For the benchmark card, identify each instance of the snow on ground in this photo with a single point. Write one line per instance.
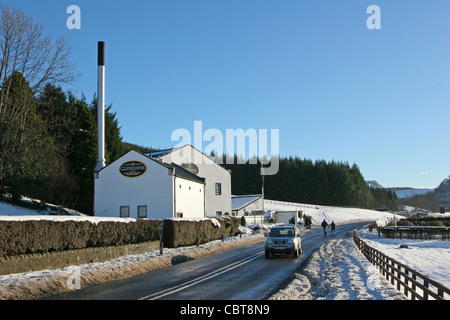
(338, 271)
(63, 218)
(9, 209)
(336, 214)
(429, 257)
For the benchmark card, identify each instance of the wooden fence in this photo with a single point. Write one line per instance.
(414, 285)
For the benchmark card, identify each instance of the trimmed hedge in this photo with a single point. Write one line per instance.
(178, 233)
(429, 221)
(38, 236)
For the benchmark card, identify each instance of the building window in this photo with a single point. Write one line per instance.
(179, 214)
(142, 212)
(218, 213)
(218, 189)
(124, 211)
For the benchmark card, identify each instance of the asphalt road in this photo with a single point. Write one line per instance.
(238, 274)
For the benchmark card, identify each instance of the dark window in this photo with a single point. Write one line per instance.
(218, 189)
(142, 212)
(124, 211)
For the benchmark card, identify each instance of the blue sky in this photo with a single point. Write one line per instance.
(312, 69)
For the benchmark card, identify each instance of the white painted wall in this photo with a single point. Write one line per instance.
(153, 189)
(212, 172)
(189, 198)
(254, 206)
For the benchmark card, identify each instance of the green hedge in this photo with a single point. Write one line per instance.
(177, 233)
(37, 236)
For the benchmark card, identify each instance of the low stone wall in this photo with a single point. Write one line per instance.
(61, 259)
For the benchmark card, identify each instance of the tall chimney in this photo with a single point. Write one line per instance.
(101, 107)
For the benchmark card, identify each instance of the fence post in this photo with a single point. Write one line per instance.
(440, 292)
(406, 282)
(425, 292)
(161, 242)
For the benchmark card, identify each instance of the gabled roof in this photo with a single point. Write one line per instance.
(161, 153)
(178, 171)
(239, 202)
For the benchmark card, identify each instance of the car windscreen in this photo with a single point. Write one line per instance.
(281, 232)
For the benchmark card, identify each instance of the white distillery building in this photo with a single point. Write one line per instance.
(138, 186)
(217, 178)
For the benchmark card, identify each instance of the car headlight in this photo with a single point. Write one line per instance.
(269, 241)
(291, 241)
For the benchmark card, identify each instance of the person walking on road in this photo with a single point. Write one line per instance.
(324, 226)
(333, 227)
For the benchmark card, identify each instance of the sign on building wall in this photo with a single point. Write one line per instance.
(132, 169)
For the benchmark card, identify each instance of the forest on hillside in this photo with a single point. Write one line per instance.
(433, 200)
(315, 182)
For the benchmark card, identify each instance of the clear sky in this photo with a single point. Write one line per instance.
(311, 68)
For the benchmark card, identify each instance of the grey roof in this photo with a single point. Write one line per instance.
(160, 153)
(181, 172)
(239, 202)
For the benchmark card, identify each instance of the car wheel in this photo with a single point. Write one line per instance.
(268, 254)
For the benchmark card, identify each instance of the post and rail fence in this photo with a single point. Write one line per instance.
(414, 284)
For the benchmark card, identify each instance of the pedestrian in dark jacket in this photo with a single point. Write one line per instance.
(333, 227)
(324, 225)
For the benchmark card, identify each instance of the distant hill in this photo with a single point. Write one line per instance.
(442, 192)
(427, 198)
(406, 192)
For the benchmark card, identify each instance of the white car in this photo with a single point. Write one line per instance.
(283, 240)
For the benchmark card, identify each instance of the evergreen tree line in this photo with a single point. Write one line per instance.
(48, 149)
(314, 182)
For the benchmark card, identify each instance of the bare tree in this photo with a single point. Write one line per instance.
(24, 48)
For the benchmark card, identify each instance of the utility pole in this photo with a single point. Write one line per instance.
(262, 190)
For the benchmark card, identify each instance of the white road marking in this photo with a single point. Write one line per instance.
(200, 279)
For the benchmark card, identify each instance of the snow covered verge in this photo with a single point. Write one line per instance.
(39, 284)
(338, 271)
(429, 257)
(7, 208)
